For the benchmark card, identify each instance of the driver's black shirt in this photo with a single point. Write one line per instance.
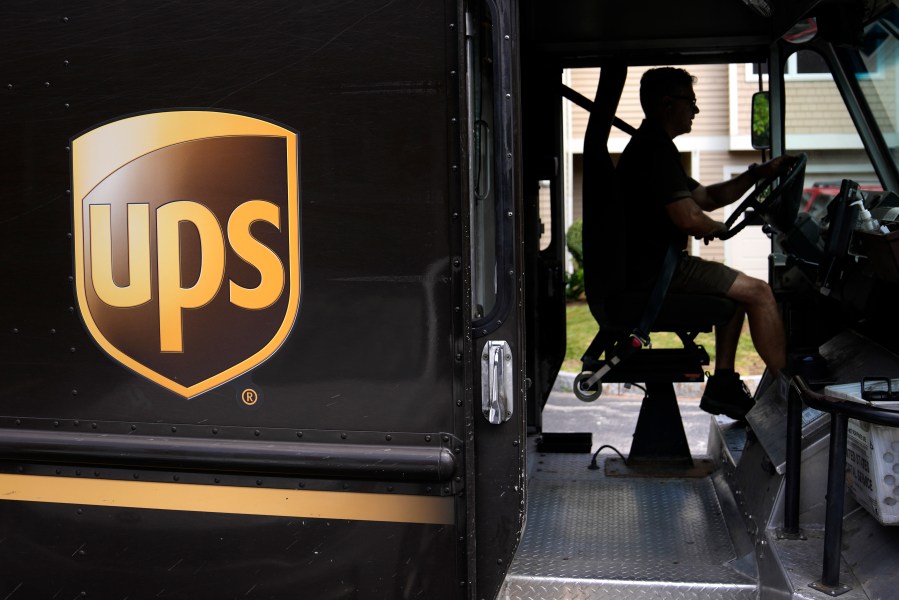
(651, 175)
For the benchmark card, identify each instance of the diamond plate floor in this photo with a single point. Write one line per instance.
(590, 537)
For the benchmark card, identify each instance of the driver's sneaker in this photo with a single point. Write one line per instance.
(726, 394)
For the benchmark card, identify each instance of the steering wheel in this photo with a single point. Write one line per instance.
(781, 205)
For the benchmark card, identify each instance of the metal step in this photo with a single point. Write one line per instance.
(727, 438)
(592, 537)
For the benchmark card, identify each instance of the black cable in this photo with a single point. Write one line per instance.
(593, 466)
(639, 387)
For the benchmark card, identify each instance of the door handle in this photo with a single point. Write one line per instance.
(497, 376)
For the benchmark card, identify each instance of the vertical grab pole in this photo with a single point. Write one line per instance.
(836, 480)
(833, 521)
(794, 464)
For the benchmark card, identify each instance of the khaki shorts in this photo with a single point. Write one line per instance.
(697, 276)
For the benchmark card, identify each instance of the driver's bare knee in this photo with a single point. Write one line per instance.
(751, 292)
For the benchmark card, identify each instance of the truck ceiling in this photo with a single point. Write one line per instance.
(580, 34)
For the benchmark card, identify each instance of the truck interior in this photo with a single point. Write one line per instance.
(740, 522)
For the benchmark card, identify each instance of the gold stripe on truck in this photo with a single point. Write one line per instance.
(312, 504)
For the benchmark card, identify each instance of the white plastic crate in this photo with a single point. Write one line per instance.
(872, 455)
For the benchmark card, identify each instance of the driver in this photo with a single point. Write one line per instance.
(670, 206)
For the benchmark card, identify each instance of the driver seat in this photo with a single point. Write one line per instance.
(659, 436)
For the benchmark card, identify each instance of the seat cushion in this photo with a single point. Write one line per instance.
(680, 312)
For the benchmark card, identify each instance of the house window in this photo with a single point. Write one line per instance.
(804, 65)
(808, 65)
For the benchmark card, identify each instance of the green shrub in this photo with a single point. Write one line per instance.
(574, 282)
(575, 241)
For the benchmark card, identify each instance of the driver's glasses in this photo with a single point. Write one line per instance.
(690, 99)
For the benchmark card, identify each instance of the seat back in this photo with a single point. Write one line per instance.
(603, 210)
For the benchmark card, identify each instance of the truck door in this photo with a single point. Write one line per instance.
(249, 346)
(498, 355)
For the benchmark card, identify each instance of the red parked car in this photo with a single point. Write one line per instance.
(816, 198)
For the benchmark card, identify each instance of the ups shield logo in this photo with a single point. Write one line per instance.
(186, 243)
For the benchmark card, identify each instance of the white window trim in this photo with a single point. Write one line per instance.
(695, 170)
(733, 92)
(731, 171)
(568, 150)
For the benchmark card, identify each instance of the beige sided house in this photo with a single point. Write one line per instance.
(719, 146)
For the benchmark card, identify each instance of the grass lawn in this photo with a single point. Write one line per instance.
(582, 328)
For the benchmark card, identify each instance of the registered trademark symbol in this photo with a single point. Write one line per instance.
(249, 396)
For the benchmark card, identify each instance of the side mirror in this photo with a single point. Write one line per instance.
(803, 31)
(761, 121)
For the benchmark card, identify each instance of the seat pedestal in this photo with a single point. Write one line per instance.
(659, 437)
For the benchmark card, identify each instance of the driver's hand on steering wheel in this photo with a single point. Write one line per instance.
(774, 167)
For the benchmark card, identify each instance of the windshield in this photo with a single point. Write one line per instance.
(876, 67)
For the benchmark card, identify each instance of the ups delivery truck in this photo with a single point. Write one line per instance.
(277, 321)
